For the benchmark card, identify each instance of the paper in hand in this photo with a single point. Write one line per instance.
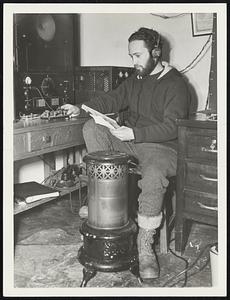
(100, 118)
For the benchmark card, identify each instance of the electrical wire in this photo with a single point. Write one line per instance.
(189, 267)
(41, 96)
(37, 89)
(190, 66)
(187, 68)
(54, 176)
(186, 266)
(168, 17)
(194, 273)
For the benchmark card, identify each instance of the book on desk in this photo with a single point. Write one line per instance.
(33, 191)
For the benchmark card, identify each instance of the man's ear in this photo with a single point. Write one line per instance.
(156, 52)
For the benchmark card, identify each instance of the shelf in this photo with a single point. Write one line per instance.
(18, 208)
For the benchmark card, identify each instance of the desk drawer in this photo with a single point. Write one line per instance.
(200, 203)
(52, 137)
(201, 177)
(201, 144)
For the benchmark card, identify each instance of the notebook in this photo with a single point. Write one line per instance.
(33, 191)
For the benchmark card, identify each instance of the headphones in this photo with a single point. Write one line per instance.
(156, 51)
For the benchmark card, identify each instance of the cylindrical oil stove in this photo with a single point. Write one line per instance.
(108, 234)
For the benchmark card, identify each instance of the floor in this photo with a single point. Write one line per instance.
(47, 240)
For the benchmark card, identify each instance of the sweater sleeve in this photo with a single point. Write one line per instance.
(113, 101)
(176, 106)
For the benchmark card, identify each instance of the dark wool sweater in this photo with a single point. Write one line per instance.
(154, 102)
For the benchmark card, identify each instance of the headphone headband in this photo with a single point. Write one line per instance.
(158, 41)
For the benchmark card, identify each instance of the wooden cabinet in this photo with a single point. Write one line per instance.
(196, 175)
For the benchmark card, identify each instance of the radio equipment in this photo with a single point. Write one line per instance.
(93, 81)
(41, 91)
(46, 48)
(45, 42)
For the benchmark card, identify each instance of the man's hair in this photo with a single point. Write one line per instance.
(151, 38)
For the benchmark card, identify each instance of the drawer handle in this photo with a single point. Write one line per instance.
(208, 150)
(208, 207)
(208, 178)
(212, 147)
(46, 139)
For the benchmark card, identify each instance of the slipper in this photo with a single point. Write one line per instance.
(83, 212)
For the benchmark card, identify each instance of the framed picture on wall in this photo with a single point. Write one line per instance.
(202, 24)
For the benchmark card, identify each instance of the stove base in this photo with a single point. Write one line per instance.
(108, 251)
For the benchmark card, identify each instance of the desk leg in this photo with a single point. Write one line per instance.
(16, 229)
(49, 163)
(65, 156)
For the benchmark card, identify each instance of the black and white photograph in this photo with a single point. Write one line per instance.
(114, 149)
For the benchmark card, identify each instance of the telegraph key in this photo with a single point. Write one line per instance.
(54, 114)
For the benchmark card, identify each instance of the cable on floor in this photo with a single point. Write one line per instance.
(194, 273)
(188, 267)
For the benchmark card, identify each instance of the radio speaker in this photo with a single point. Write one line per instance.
(44, 42)
(95, 81)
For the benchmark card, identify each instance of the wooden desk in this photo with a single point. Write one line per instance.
(42, 137)
(196, 195)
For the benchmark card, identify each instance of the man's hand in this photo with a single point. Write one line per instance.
(123, 133)
(71, 109)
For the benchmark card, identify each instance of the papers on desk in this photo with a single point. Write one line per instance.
(100, 118)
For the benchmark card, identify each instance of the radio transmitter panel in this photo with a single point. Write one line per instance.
(95, 81)
(46, 48)
(40, 91)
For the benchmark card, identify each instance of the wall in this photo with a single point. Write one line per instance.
(104, 42)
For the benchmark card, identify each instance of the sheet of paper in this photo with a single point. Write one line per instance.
(100, 118)
(102, 121)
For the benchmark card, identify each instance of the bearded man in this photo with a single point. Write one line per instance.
(155, 96)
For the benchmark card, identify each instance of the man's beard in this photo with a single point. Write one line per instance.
(150, 66)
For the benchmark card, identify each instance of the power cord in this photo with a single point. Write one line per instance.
(194, 63)
(169, 17)
(188, 267)
(194, 273)
(53, 179)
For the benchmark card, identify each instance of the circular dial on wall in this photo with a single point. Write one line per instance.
(47, 86)
(45, 27)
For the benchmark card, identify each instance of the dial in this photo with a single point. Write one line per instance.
(47, 86)
(28, 80)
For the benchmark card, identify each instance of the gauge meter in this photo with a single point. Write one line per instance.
(27, 80)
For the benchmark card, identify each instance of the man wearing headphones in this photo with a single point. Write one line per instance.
(155, 95)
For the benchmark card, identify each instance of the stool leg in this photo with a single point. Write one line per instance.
(164, 235)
